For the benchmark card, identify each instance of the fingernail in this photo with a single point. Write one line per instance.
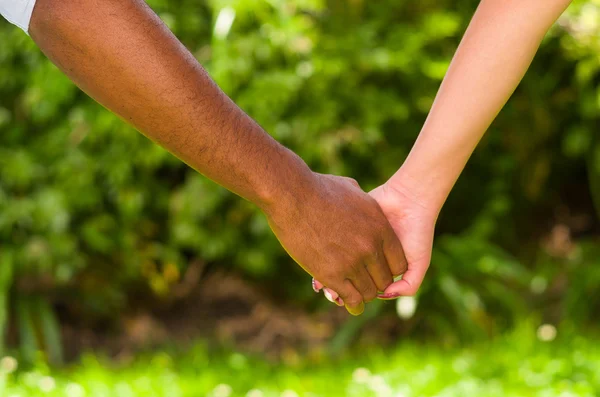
(339, 302)
(388, 296)
(329, 297)
(314, 286)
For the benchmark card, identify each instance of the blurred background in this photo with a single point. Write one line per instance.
(125, 273)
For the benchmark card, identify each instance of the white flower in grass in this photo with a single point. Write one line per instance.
(546, 332)
(74, 390)
(8, 364)
(255, 393)
(406, 306)
(47, 384)
(222, 390)
(361, 375)
(289, 393)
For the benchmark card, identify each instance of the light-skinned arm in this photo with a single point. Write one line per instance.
(491, 60)
(122, 55)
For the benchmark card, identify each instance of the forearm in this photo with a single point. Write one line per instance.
(491, 60)
(121, 54)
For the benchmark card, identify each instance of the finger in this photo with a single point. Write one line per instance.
(364, 284)
(352, 298)
(319, 285)
(394, 253)
(379, 271)
(316, 285)
(409, 285)
(330, 294)
(333, 297)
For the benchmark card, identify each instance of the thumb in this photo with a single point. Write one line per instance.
(409, 284)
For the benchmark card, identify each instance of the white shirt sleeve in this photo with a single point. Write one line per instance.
(17, 12)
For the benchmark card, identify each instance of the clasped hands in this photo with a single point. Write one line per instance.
(354, 244)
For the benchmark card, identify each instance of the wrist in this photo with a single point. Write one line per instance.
(290, 181)
(431, 169)
(427, 186)
(401, 192)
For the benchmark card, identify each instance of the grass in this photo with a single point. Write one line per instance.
(518, 364)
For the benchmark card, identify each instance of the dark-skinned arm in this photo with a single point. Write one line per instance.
(121, 54)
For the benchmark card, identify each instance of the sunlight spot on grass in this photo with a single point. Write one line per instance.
(255, 393)
(381, 388)
(222, 390)
(361, 375)
(47, 384)
(8, 365)
(546, 332)
(74, 390)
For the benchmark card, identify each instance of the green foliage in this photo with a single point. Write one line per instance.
(516, 365)
(90, 210)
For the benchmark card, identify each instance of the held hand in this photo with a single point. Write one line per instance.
(339, 235)
(414, 225)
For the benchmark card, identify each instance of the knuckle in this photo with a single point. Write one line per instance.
(330, 281)
(354, 268)
(370, 294)
(353, 300)
(398, 269)
(386, 282)
(369, 286)
(369, 249)
(357, 270)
